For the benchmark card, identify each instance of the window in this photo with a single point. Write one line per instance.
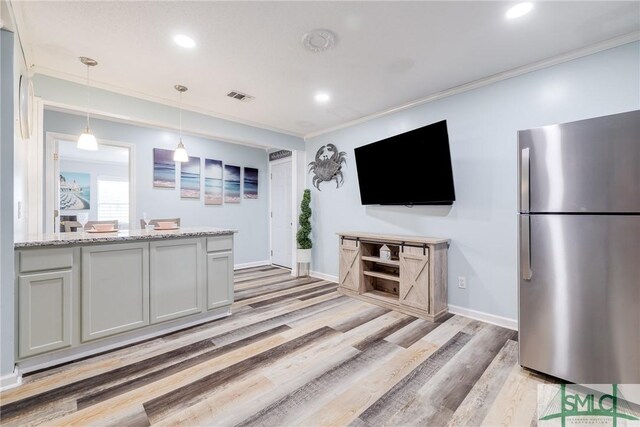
(113, 200)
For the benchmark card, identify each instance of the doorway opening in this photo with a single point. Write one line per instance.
(86, 185)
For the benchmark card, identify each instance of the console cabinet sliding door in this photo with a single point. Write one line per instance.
(350, 266)
(414, 278)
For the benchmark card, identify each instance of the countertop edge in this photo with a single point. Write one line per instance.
(101, 239)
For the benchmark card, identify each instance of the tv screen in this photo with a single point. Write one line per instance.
(413, 168)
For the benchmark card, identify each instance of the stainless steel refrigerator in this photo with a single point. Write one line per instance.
(579, 249)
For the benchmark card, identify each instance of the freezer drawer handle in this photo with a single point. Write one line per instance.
(526, 248)
(524, 180)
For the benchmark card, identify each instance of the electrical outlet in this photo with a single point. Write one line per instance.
(462, 282)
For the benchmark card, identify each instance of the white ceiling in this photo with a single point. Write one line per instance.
(387, 53)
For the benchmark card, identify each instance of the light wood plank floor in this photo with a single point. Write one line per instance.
(294, 352)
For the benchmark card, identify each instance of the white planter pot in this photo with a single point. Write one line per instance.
(304, 255)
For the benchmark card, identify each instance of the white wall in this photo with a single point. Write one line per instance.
(250, 217)
(483, 125)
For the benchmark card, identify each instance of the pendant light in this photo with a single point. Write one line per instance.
(87, 140)
(180, 155)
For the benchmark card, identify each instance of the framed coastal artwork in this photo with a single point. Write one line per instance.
(250, 183)
(231, 184)
(212, 182)
(164, 168)
(190, 178)
(75, 191)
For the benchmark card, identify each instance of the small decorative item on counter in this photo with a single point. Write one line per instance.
(385, 252)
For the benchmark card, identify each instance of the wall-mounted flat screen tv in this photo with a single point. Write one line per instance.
(413, 168)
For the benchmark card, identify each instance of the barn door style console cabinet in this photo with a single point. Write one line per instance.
(413, 279)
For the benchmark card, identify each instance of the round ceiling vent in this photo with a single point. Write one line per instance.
(319, 40)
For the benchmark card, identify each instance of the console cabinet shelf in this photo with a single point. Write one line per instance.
(413, 281)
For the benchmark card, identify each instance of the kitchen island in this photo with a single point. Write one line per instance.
(82, 293)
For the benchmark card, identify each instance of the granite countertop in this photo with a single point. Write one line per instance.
(83, 238)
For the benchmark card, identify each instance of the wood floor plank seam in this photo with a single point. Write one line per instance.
(384, 332)
(121, 388)
(291, 295)
(437, 400)
(280, 286)
(280, 411)
(188, 395)
(484, 392)
(405, 390)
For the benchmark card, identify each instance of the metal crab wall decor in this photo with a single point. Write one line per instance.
(328, 165)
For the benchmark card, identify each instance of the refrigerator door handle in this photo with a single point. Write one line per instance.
(525, 247)
(524, 180)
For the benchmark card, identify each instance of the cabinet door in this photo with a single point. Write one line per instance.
(350, 265)
(177, 278)
(44, 322)
(219, 279)
(115, 289)
(414, 278)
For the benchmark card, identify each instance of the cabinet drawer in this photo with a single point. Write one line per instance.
(45, 259)
(219, 243)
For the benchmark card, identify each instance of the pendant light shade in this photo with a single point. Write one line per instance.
(180, 154)
(87, 140)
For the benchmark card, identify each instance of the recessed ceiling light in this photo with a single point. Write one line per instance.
(519, 10)
(184, 41)
(322, 97)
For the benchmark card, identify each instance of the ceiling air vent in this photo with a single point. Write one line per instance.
(240, 96)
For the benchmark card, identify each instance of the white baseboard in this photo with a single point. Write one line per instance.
(251, 264)
(505, 322)
(323, 276)
(11, 380)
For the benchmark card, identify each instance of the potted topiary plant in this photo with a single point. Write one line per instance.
(302, 237)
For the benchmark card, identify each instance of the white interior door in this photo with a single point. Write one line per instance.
(281, 218)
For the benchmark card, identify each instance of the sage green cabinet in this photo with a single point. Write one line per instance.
(115, 289)
(177, 278)
(44, 322)
(219, 279)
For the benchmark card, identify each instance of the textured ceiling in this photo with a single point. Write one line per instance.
(387, 53)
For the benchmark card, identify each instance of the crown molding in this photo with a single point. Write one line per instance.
(45, 71)
(545, 63)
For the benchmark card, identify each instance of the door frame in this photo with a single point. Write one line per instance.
(294, 211)
(51, 148)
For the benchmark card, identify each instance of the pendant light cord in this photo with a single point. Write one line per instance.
(180, 109)
(88, 99)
